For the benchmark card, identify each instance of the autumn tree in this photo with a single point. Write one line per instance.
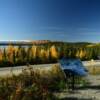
(1, 55)
(36, 54)
(4, 55)
(33, 50)
(82, 54)
(29, 55)
(54, 53)
(10, 54)
(77, 53)
(43, 55)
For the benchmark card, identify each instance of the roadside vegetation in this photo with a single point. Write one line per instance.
(34, 84)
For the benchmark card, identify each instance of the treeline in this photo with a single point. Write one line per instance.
(13, 56)
(48, 53)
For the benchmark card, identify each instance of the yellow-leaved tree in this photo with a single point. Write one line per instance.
(35, 54)
(82, 54)
(33, 50)
(43, 55)
(53, 51)
(1, 55)
(78, 54)
(10, 53)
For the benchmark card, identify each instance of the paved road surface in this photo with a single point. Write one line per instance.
(18, 69)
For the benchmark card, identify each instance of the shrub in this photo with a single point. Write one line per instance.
(30, 85)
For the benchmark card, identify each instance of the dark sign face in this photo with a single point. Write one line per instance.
(75, 66)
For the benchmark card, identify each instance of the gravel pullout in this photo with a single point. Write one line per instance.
(90, 92)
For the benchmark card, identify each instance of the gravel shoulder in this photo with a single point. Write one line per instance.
(90, 92)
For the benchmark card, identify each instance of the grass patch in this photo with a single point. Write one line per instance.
(33, 84)
(93, 70)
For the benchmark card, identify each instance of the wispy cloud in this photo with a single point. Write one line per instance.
(51, 27)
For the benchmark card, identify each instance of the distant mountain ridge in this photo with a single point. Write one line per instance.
(40, 42)
(23, 42)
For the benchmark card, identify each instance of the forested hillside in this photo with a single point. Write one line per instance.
(49, 52)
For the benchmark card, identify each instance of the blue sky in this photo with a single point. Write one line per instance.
(63, 20)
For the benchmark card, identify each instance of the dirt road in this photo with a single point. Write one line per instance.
(89, 92)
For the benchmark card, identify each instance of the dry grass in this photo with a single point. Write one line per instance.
(32, 84)
(94, 70)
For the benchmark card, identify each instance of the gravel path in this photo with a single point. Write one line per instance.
(91, 92)
(18, 69)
